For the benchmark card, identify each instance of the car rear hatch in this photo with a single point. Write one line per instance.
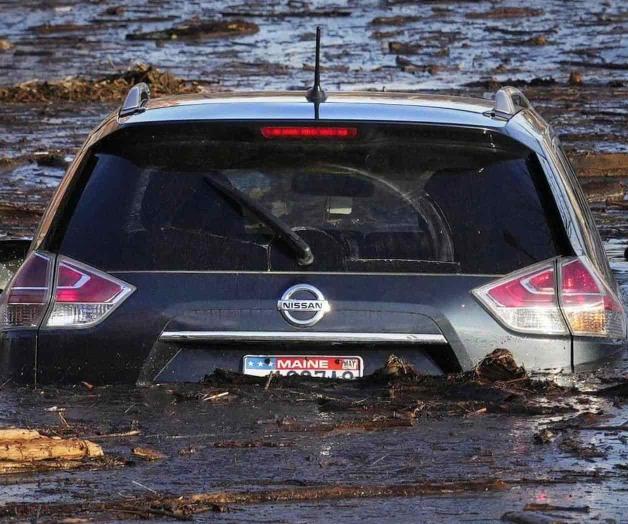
(297, 239)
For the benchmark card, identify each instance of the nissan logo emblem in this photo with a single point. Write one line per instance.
(303, 305)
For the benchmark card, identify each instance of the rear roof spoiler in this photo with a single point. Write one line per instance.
(508, 101)
(135, 100)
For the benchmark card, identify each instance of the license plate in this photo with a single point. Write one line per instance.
(307, 366)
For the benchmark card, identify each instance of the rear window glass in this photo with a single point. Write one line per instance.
(392, 198)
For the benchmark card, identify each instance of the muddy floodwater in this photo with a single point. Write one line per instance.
(399, 449)
(395, 450)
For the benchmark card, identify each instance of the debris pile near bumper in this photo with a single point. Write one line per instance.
(499, 366)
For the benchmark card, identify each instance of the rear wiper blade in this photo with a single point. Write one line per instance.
(283, 230)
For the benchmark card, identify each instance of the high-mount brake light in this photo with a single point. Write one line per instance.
(526, 300)
(591, 309)
(84, 296)
(533, 300)
(309, 132)
(25, 300)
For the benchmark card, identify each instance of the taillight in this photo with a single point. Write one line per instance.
(590, 307)
(308, 132)
(534, 300)
(84, 296)
(526, 300)
(80, 295)
(25, 300)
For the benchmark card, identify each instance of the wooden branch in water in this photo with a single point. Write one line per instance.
(25, 446)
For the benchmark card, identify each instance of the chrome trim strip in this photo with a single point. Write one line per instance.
(305, 336)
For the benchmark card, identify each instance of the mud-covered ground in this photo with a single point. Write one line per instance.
(380, 450)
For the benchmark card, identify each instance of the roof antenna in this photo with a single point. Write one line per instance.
(316, 94)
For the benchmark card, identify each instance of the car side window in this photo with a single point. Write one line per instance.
(594, 244)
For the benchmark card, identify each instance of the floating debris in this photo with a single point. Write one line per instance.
(524, 517)
(305, 13)
(148, 454)
(248, 444)
(23, 450)
(544, 436)
(199, 30)
(396, 367)
(619, 390)
(394, 20)
(573, 446)
(115, 10)
(536, 40)
(575, 78)
(60, 28)
(214, 396)
(183, 507)
(493, 84)
(507, 12)
(109, 88)
(403, 48)
(499, 365)
(536, 506)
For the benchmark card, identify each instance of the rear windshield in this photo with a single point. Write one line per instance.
(384, 198)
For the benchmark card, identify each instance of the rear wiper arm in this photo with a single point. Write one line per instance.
(283, 230)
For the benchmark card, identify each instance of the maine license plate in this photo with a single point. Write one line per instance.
(308, 366)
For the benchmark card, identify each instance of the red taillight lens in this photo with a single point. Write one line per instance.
(533, 290)
(79, 284)
(309, 132)
(83, 295)
(591, 309)
(577, 279)
(26, 298)
(526, 300)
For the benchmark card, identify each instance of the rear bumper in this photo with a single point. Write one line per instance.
(190, 356)
(194, 361)
(181, 357)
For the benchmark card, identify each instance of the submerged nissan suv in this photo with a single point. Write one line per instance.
(266, 233)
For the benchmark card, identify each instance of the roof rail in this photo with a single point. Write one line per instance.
(509, 101)
(135, 99)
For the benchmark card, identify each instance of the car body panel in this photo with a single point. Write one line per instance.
(18, 355)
